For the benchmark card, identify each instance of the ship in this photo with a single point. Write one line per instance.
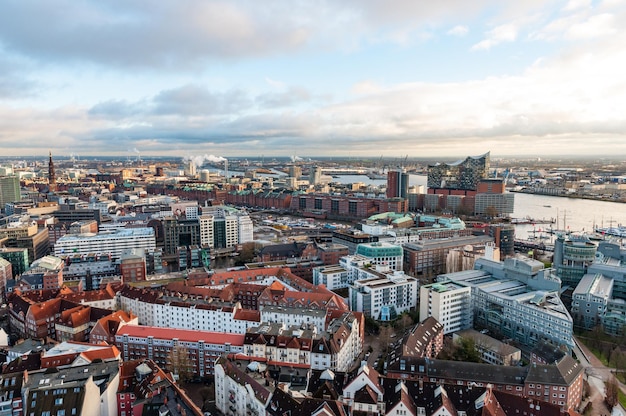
(619, 231)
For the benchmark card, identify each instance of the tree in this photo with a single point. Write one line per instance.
(384, 337)
(611, 390)
(179, 363)
(404, 322)
(247, 254)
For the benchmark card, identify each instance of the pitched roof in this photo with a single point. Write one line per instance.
(187, 335)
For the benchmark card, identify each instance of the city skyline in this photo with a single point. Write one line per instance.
(537, 78)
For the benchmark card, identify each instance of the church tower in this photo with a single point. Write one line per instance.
(52, 180)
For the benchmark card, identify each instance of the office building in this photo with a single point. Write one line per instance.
(517, 299)
(430, 257)
(18, 257)
(397, 184)
(113, 242)
(449, 303)
(9, 190)
(225, 228)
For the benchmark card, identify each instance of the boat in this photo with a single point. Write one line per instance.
(619, 231)
(548, 206)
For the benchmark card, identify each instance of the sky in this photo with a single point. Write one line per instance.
(352, 78)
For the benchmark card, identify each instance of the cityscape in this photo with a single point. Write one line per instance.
(328, 208)
(211, 285)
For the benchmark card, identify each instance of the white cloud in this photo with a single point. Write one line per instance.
(503, 33)
(458, 30)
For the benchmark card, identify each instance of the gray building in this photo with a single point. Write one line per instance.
(516, 299)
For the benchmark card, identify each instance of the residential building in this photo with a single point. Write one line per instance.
(202, 347)
(6, 273)
(424, 339)
(240, 391)
(383, 294)
(145, 388)
(491, 350)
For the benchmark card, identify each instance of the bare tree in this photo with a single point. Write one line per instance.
(612, 392)
(179, 363)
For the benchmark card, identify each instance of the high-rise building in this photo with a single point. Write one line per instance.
(221, 229)
(397, 184)
(9, 189)
(295, 171)
(315, 176)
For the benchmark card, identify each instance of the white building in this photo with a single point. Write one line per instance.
(225, 227)
(448, 303)
(333, 277)
(383, 294)
(239, 391)
(382, 253)
(113, 242)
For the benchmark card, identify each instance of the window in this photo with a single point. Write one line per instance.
(58, 401)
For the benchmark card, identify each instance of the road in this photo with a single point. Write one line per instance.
(597, 373)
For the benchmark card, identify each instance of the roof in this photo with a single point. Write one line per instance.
(563, 373)
(180, 334)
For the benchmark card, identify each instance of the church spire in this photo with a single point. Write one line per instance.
(52, 180)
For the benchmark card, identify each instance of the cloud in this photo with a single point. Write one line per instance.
(458, 30)
(503, 33)
(290, 97)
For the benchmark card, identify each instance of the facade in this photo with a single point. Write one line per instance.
(225, 228)
(382, 253)
(448, 303)
(6, 272)
(517, 299)
(239, 392)
(203, 348)
(133, 267)
(9, 190)
(590, 300)
(495, 205)
(114, 242)
(490, 349)
(463, 175)
(429, 257)
(333, 277)
(572, 257)
(397, 184)
(18, 257)
(383, 294)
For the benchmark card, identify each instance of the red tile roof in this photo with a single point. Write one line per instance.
(187, 335)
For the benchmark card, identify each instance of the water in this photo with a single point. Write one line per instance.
(576, 215)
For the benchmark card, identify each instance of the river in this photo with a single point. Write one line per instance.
(572, 214)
